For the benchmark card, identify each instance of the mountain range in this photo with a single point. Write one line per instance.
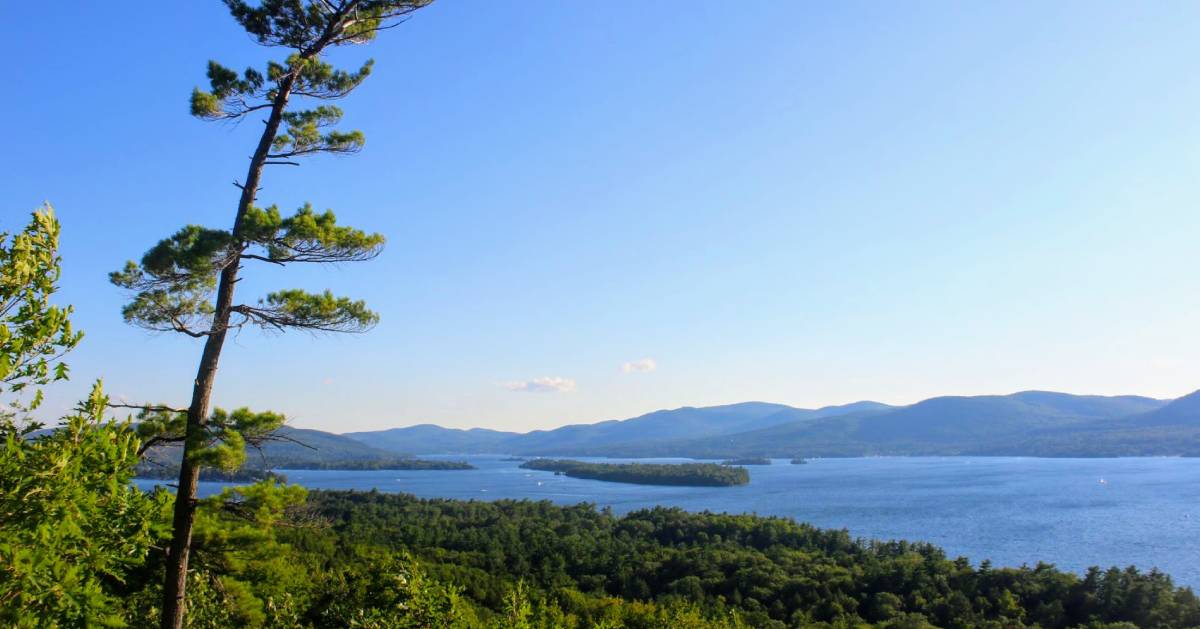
(1029, 423)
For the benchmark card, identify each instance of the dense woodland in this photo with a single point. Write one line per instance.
(267, 555)
(770, 572)
(691, 474)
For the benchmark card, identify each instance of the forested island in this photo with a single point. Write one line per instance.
(693, 474)
(747, 460)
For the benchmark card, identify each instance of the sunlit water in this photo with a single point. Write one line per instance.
(1074, 513)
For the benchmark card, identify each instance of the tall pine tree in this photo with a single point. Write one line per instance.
(186, 283)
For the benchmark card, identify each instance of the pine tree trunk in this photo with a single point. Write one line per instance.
(175, 581)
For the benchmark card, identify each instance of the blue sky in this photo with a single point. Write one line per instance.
(795, 202)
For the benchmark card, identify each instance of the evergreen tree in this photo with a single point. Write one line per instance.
(186, 283)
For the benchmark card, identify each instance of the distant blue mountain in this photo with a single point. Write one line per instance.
(1183, 412)
(1169, 429)
(967, 420)
(657, 426)
(603, 437)
(431, 439)
(1029, 422)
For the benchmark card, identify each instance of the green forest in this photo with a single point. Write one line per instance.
(691, 474)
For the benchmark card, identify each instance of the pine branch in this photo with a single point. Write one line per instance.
(296, 309)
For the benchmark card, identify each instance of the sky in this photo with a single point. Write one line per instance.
(596, 210)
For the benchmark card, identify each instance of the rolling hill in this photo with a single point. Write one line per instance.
(431, 439)
(604, 437)
(1036, 423)
(656, 426)
(1171, 429)
(938, 426)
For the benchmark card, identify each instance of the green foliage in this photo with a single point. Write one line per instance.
(172, 287)
(173, 284)
(297, 24)
(772, 572)
(296, 308)
(225, 84)
(694, 474)
(391, 591)
(71, 524)
(220, 443)
(33, 333)
(193, 252)
(307, 236)
(304, 134)
(321, 80)
(235, 540)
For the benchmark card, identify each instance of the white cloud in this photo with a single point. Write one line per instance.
(545, 384)
(640, 366)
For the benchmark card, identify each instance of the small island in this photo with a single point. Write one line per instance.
(748, 460)
(689, 474)
(799, 461)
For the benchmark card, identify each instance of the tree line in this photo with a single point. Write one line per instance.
(693, 474)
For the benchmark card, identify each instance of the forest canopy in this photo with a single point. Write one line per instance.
(693, 474)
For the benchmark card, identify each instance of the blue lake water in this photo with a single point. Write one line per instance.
(1073, 513)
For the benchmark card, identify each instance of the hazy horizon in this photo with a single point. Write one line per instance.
(387, 426)
(593, 214)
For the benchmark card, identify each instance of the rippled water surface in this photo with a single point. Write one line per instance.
(1071, 512)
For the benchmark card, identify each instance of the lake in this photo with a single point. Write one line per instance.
(1073, 513)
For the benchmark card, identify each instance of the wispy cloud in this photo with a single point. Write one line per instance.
(640, 366)
(545, 384)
